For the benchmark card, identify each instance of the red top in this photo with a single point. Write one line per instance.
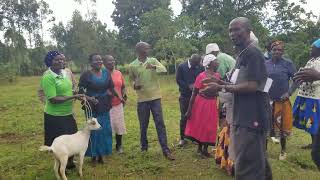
(198, 83)
(118, 82)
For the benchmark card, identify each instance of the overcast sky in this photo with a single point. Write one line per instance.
(63, 9)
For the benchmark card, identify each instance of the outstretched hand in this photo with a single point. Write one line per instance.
(150, 66)
(79, 96)
(92, 100)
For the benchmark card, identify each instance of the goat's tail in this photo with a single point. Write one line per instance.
(45, 148)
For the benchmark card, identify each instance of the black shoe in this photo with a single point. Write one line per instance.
(100, 160)
(169, 156)
(94, 161)
(144, 150)
(206, 155)
(70, 165)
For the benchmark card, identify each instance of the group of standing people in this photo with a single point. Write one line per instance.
(252, 112)
(103, 88)
(239, 84)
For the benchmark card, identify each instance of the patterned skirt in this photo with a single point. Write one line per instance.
(223, 154)
(306, 114)
(282, 118)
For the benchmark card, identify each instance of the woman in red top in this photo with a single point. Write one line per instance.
(202, 112)
(116, 112)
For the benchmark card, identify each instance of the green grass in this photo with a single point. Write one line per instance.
(21, 133)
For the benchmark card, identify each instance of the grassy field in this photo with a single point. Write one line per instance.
(21, 134)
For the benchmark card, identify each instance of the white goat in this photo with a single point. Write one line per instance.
(65, 146)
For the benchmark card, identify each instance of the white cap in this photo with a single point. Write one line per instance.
(254, 38)
(212, 47)
(208, 59)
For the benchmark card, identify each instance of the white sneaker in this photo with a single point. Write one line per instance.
(275, 140)
(282, 156)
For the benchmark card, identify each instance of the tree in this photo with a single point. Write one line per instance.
(82, 37)
(127, 16)
(213, 17)
(288, 17)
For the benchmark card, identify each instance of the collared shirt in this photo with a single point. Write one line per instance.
(56, 85)
(280, 72)
(226, 64)
(311, 89)
(147, 78)
(267, 55)
(185, 76)
(252, 109)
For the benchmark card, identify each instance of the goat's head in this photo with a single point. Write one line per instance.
(93, 124)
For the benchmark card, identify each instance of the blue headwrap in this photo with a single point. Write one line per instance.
(316, 43)
(50, 56)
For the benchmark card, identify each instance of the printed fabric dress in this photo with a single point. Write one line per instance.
(306, 112)
(203, 123)
(94, 86)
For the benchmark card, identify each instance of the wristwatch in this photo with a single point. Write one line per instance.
(223, 89)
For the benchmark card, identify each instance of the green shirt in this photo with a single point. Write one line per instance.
(147, 78)
(56, 85)
(226, 63)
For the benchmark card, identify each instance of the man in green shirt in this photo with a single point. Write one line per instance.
(143, 73)
(226, 62)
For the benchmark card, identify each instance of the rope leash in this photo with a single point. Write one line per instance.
(88, 114)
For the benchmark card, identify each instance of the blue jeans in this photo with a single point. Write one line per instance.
(143, 110)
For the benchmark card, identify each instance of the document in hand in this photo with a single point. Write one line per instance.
(241, 75)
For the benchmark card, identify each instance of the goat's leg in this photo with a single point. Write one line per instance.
(63, 164)
(56, 168)
(81, 157)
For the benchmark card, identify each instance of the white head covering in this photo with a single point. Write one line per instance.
(254, 39)
(212, 47)
(208, 59)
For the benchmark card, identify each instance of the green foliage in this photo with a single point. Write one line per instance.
(127, 16)
(124, 69)
(172, 37)
(8, 72)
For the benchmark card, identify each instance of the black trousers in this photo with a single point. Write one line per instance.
(144, 109)
(315, 153)
(184, 103)
(250, 156)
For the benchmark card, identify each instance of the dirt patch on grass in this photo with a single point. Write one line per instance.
(13, 138)
(3, 108)
(10, 138)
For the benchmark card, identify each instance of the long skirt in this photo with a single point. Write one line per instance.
(282, 118)
(100, 142)
(306, 114)
(117, 119)
(55, 126)
(203, 123)
(222, 155)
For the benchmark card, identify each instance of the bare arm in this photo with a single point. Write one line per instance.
(245, 87)
(192, 99)
(62, 99)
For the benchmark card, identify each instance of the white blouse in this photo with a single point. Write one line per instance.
(311, 89)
